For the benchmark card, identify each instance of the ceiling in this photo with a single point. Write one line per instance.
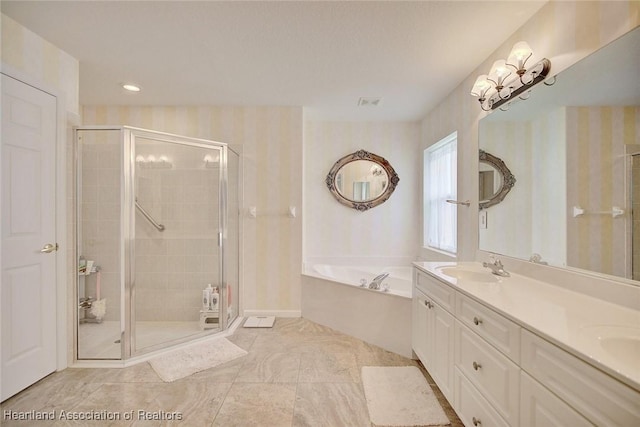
(320, 55)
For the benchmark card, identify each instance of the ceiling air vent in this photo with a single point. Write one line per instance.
(369, 102)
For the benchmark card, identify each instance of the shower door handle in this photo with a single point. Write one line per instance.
(220, 239)
(48, 248)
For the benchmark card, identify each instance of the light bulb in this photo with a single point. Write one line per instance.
(499, 73)
(519, 55)
(481, 86)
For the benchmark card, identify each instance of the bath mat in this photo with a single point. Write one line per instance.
(400, 396)
(195, 358)
(259, 322)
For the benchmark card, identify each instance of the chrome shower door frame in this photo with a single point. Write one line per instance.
(130, 135)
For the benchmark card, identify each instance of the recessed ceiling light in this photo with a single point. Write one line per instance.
(131, 87)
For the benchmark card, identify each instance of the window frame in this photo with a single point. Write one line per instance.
(427, 240)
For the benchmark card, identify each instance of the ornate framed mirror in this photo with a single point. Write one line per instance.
(496, 180)
(362, 180)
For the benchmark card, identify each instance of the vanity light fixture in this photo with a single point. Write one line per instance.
(510, 78)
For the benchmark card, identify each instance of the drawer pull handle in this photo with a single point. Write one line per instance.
(476, 422)
(477, 321)
(429, 304)
(476, 366)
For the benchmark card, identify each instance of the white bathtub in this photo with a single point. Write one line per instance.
(399, 279)
(332, 296)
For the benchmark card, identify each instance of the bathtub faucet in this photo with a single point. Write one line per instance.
(377, 281)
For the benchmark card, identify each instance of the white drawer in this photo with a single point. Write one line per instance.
(497, 330)
(495, 376)
(471, 407)
(603, 400)
(441, 293)
(541, 408)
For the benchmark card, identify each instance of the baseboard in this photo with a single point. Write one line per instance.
(277, 313)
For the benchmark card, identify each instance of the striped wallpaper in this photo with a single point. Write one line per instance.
(269, 140)
(534, 210)
(29, 53)
(564, 32)
(333, 230)
(597, 181)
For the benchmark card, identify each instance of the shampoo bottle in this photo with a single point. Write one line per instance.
(209, 291)
(215, 299)
(206, 298)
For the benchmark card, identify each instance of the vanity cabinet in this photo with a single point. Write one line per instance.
(433, 333)
(496, 372)
(598, 397)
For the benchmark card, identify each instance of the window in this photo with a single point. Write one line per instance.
(440, 184)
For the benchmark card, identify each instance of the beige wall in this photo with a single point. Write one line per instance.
(270, 142)
(535, 208)
(28, 53)
(387, 231)
(597, 168)
(563, 32)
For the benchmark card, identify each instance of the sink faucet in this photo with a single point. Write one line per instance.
(377, 281)
(496, 267)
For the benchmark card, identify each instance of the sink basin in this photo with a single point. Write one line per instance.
(470, 275)
(621, 343)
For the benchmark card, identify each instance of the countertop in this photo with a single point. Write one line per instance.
(578, 323)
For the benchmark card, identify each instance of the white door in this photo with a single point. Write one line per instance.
(28, 298)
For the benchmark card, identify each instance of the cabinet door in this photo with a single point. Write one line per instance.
(541, 408)
(441, 345)
(421, 327)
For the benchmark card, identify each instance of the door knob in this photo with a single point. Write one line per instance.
(48, 248)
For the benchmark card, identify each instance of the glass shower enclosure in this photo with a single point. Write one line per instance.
(157, 232)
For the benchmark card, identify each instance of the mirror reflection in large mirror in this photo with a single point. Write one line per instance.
(495, 179)
(362, 180)
(572, 147)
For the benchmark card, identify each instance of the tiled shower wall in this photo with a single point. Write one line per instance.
(173, 266)
(100, 202)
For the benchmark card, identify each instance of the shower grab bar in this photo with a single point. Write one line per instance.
(153, 222)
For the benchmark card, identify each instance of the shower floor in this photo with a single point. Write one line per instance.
(102, 340)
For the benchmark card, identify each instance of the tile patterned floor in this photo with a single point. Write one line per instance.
(297, 373)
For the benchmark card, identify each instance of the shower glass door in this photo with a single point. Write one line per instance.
(231, 241)
(176, 235)
(98, 253)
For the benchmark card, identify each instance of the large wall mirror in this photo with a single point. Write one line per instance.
(572, 146)
(362, 180)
